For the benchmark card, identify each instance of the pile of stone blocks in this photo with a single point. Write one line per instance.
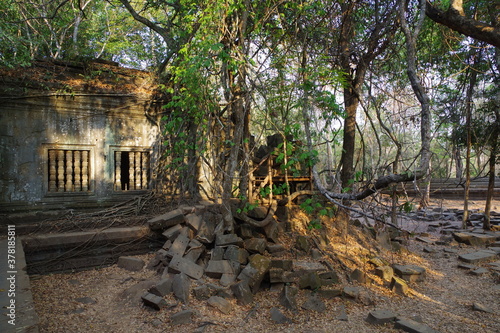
(195, 261)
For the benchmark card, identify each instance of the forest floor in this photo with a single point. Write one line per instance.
(108, 299)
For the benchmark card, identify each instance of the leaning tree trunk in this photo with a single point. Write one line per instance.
(491, 180)
(420, 93)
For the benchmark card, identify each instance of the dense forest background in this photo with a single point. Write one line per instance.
(366, 93)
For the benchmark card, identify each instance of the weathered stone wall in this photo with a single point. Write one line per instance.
(100, 122)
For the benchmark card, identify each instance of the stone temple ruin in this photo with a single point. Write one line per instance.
(74, 136)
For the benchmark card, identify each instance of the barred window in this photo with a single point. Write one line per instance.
(69, 170)
(131, 170)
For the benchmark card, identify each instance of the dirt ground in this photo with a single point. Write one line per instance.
(108, 299)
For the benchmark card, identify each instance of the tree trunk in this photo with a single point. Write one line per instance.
(491, 180)
(494, 148)
(468, 111)
(420, 93)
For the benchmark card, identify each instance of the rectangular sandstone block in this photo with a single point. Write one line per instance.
(216, 268)
(166, 220)
(183, 265)
(179, 246)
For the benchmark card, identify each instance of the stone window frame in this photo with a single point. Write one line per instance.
(68, 147)
(117, 181)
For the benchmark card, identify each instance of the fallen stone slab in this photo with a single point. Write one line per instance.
(205, 232)
(360, 276)
(329, 293)
(466, 266)
(272, 231)
(385, 272)
(310, 280)
(172, 232)
(377, 262)
(179, 246)
(166, 220)
(329, 278)
(220, 304)
(426, 240)
(181, 286)
(314, 303)
(479, 271)
(409, 273)
(275, 248)
(182, 317)
(186, 266)
(302, 266)
(495, 249)
(255, 245)
(398, 286)
(242, 292)
(236, 253)
(216, 268)
(130, 263)
(278, 275)
(227, 279)
(194, 251)
(246, 231)
(278, 317)
(477, 257)
(482, 308)
(351, 292)
(205, 291)
(303, 243)
(255, 271)
(474, 239)
(342, 313)
(217, 253)
(162, 288)
(284, 264)
(154, 301)
(412, 326)
(193, 221)
(288, 298)
(86, 300)
(380, 317)
(228, 239)
(428, 249)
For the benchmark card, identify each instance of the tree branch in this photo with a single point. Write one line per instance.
(453, 19)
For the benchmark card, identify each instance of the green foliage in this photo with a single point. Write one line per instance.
(314, 224)
(407, 207)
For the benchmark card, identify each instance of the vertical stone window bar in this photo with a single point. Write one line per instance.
(68, 170)
(60, 171)
(78, 171)
(118, 171)
(52, 171)
(85, 170)
(131, 170)
(145, 170)
(138, 171)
